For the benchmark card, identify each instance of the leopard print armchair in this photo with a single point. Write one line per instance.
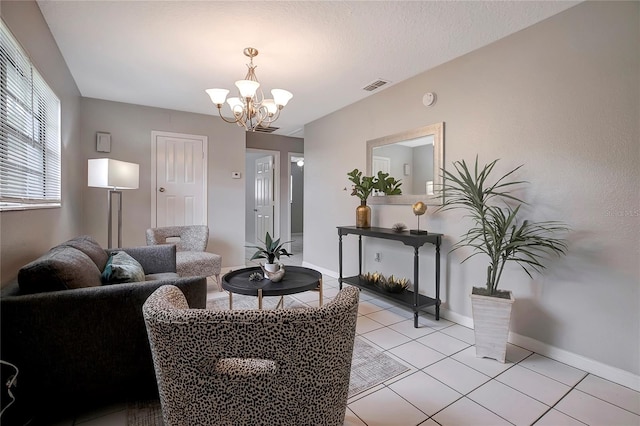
(192, 259)
(251, 367)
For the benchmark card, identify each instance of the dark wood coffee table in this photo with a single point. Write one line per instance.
(296, 280)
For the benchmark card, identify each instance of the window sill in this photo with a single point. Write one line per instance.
(18, 207)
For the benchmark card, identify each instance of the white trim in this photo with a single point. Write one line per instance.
(591, 366)
(205, 168)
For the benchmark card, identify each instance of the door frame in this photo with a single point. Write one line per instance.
(205, 160)
(276, 186)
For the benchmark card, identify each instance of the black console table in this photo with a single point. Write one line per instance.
(408, 298)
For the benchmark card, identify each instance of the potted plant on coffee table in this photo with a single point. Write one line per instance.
(498, 233)
(271, 250)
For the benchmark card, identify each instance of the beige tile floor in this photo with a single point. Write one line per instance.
(448, 385)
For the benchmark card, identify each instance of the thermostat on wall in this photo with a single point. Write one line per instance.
(235, 175)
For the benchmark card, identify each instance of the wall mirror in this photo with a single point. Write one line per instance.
(415, 157)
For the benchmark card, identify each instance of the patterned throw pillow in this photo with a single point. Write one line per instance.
(122, 268)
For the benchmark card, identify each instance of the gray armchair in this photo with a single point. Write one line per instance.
(257, 367)
(192, 259)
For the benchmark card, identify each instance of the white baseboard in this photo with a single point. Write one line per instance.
(614, 374)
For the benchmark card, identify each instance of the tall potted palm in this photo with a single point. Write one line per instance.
(498, 233)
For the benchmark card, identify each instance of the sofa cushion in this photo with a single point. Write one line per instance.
(61, 268)
(122, 268)
(91, 248)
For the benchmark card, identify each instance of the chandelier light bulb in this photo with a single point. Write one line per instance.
(236, 105)
(281, 96)
(217, 96)
(271, 106)
(247, 88)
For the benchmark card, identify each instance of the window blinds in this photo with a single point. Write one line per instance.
(29, 132)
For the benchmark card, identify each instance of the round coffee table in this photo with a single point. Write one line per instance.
(297, 279)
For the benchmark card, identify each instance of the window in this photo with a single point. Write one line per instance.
(29, 132)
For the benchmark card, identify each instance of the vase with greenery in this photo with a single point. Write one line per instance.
(497, 232)
(270, 250)
(362, 188)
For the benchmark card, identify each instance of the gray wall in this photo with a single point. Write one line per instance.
(130, 127)
(25, 235)
(562, 98)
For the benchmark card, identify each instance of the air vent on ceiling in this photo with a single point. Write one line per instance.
(261, 129)
(375, 85)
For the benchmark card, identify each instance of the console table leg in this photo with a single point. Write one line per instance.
(340, 260)
(438, 280)
(416, 286)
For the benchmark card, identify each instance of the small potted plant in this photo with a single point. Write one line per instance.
(271, 250)
(497, 233)
(362, 188)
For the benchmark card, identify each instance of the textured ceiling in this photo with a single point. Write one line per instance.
(166, 53)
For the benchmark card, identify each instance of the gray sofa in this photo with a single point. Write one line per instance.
(77, 341)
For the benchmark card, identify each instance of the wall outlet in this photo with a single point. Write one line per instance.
(378, 257)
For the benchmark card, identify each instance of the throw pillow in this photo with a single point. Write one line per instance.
(122, 268)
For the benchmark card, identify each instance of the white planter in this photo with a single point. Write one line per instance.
(491, 317)
(271, 267)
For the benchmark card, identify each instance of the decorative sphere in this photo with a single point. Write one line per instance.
(419, 208)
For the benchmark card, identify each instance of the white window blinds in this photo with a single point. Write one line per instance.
(29, 132)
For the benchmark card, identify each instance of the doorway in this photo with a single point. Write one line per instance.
(296, 204)
(262, 195)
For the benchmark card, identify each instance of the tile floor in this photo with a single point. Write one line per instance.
(448, 385)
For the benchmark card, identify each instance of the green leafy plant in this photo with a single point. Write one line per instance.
(271, 250)
(496, 230)
(363, 186)
(387, 184)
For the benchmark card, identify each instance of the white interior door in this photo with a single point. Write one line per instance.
(180, 179)
(264, 202)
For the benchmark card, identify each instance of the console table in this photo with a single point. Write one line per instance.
(408, 298)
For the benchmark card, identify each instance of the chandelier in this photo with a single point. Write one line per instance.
(251, 110)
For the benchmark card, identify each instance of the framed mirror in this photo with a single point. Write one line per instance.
(415, 157)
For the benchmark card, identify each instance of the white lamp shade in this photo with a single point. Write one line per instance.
(109, 173)
(217, 96)
(281, 97)
(270, 105)
(236, 105)
(247, 88)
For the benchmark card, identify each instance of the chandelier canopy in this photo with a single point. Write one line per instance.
(251, 110)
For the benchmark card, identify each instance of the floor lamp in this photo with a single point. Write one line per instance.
(116, 176)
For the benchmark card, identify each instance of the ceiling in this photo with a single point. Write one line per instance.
(166, 53)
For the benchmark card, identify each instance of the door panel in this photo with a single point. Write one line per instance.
(180, 197)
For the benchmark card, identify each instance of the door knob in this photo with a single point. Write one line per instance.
(161, 189)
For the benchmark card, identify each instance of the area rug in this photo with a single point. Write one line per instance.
(369, 368)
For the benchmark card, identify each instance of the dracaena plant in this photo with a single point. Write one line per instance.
(271, 250)
(497, 230)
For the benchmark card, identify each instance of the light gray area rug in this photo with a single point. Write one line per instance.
(369, 366)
